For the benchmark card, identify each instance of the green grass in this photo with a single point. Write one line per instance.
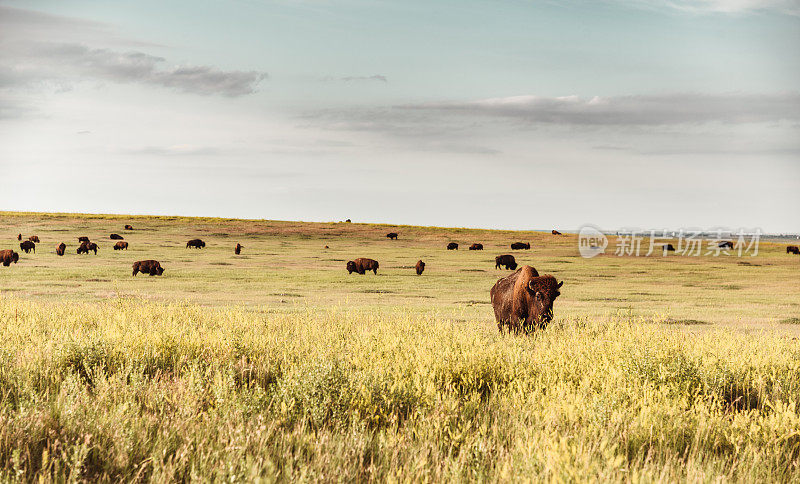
(281, 366)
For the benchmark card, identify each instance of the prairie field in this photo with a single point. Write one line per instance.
(278, 365)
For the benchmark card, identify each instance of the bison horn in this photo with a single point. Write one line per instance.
(560, 284)
(531, 286)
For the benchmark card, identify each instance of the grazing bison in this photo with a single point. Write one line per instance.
(520, 246)
(115, 237)
(196, 243)
(128, 227)
(392, 235)
(83, 239)
(34, 238)
(793, 249)
(362, 265)
(725, 244)
(476, 247)
(8, 256)
(420, 267)
(505, 260)
(556, 232)
(19, 236)
(85, 247)
(151, 267)
(238, 249)
(60, 248)
(121, 245)
(452, 246)
(27, 246)
(524, 300)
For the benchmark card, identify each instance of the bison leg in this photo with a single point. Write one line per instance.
(375, 271)
(135, 270)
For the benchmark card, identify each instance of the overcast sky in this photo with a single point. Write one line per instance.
(499, 114)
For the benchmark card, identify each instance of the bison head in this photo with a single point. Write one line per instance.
(160, 270)
(351, 267)
(513, 266)
(543, 292)
(14, 257)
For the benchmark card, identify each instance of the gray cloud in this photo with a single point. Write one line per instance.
(376, 77)
(789, 7)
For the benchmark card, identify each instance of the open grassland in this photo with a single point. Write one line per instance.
(277, 364)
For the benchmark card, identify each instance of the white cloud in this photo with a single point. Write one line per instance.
(789, 7)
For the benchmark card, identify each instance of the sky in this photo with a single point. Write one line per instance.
(503, 114)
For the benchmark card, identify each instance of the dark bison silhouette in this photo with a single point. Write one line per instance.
(238, 249)
(668, 247)
(61, 248)
(115, 237)
(8, 256)
(347, 221)
(151, 267)
(524, 300)
(34, 238)
(725, 244)
(505, 260)
(121, 245)
(391, 235)
(452, 246)
(420, 267)
(129, 227)
(85, 247)
(196, 243)
(83, 239)
(362, 265)
(19, 236)
(520, 246)
(27, 246)
(793, 249)
(556, 232)
(476, 247)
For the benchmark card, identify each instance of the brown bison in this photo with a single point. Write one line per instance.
(19, 236)
(420, 267)
(151, 267)
(85, 247)
(121, 245)
(452, 246)
(83, 239)
(8, 256)
(115, 237)
(128, 227)
(196, 243)
(726, 244)
(34, 238)
(238, 249)
(524, 300)
(556, 232)
(392, 235)
(793, 249)
(362, 265)
(520, 246)
(60, 248)
(27, 246)
(476, 247)
(505, 260)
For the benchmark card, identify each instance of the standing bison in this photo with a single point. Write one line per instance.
(420, 267)
(362, 265)
(27, 246)
(505, 260)
(61, 248)
(85, 247)
(196, 243)
(452, 246)
(8, 256)
(83, 239)
(151, 267)
(476, 247)
(34, 238)
(793, 249)
(19, 236)
(128, 227)
(115, 237)
(524, 300)
(392, 235)
(238, 249)
(520, 246)
(121, 245)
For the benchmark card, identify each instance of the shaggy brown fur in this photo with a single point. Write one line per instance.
(27, 246)
(85, 247)
(196, 243)
(115, 237)
(793, 249)
(524, 300)
(238, 249)
(362, 265)
(8, 256)
(60, 248)
(392, 235)
(121, 245)
(452, 246)
(520, 246)
(505, 260)
(151, 267)
(420, 267)
(83, 239)
(476, 247)
(34, 238)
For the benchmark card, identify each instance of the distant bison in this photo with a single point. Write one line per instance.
(793, 249)
(238, 249)
(452, 246)
(391, 235)
(196, 243)
(420, 267)
(8, 256)
(524, 300)
(151, 267)
(476, 247)
(121, 245)
(115, 237)
(60, 248)
(556, 232)
(83, 239)
(27, 246)
(347, 221)
(668, 248)
(34, 238)
(520, 246)
(725, 244)
(85, 247)
(505, 260)
(19, 236)
(362, 265)
(128, 227)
